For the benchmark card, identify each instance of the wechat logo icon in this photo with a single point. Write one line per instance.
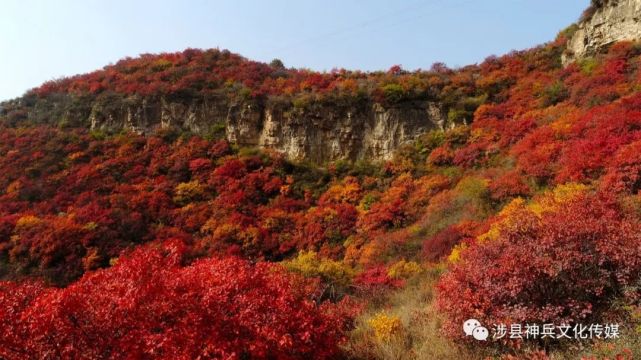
(473, 327)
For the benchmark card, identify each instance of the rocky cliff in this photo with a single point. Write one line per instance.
(317, 132)
(321, 133)
(605, 22)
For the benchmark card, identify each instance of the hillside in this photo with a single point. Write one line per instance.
(307, 115)
(200, 204)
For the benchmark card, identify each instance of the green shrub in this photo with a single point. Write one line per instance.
(394, 93)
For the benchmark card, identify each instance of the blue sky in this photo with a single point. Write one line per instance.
(45, 39)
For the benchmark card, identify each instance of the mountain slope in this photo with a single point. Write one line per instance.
(526, 212)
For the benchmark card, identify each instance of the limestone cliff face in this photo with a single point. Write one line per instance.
(612, 21)
(318, 132)
(322, 133)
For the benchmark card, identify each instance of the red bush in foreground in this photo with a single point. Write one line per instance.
(149, 306)
(564, 266)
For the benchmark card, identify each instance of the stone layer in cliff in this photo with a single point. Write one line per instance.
(317, 132)
(609, 22)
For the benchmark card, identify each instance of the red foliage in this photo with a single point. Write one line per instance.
(202, 73)
(537, 153)
(199, 165)
(71, 202)
(624, 171)
(441, 156)
(441, 244)
(375, 280)
(597, 136)
(323, 226)
(508, 185)
(84, 200)
(567, 266)
(469, 155)
(148, 305)
(392, 209)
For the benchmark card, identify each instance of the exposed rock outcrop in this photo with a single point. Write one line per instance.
(609, 21)
(323, 132)
(318, 132)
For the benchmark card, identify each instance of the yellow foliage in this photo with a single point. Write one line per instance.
(385, 326)
(472, 187)
(14, 187)
(367, 201)
(491, 234)
(90, 226)
(27, 221)
(249, 237)
(415, 229)
(161, 64)
(76, 155)
(404, 269)
(567, 192)
(223, 231)
(91, 261)
(309, 264)
(550, 201)
(305, 263)
(187, 192)
(476, 134)
(455, 255)
(506, 219)
(211, 225)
